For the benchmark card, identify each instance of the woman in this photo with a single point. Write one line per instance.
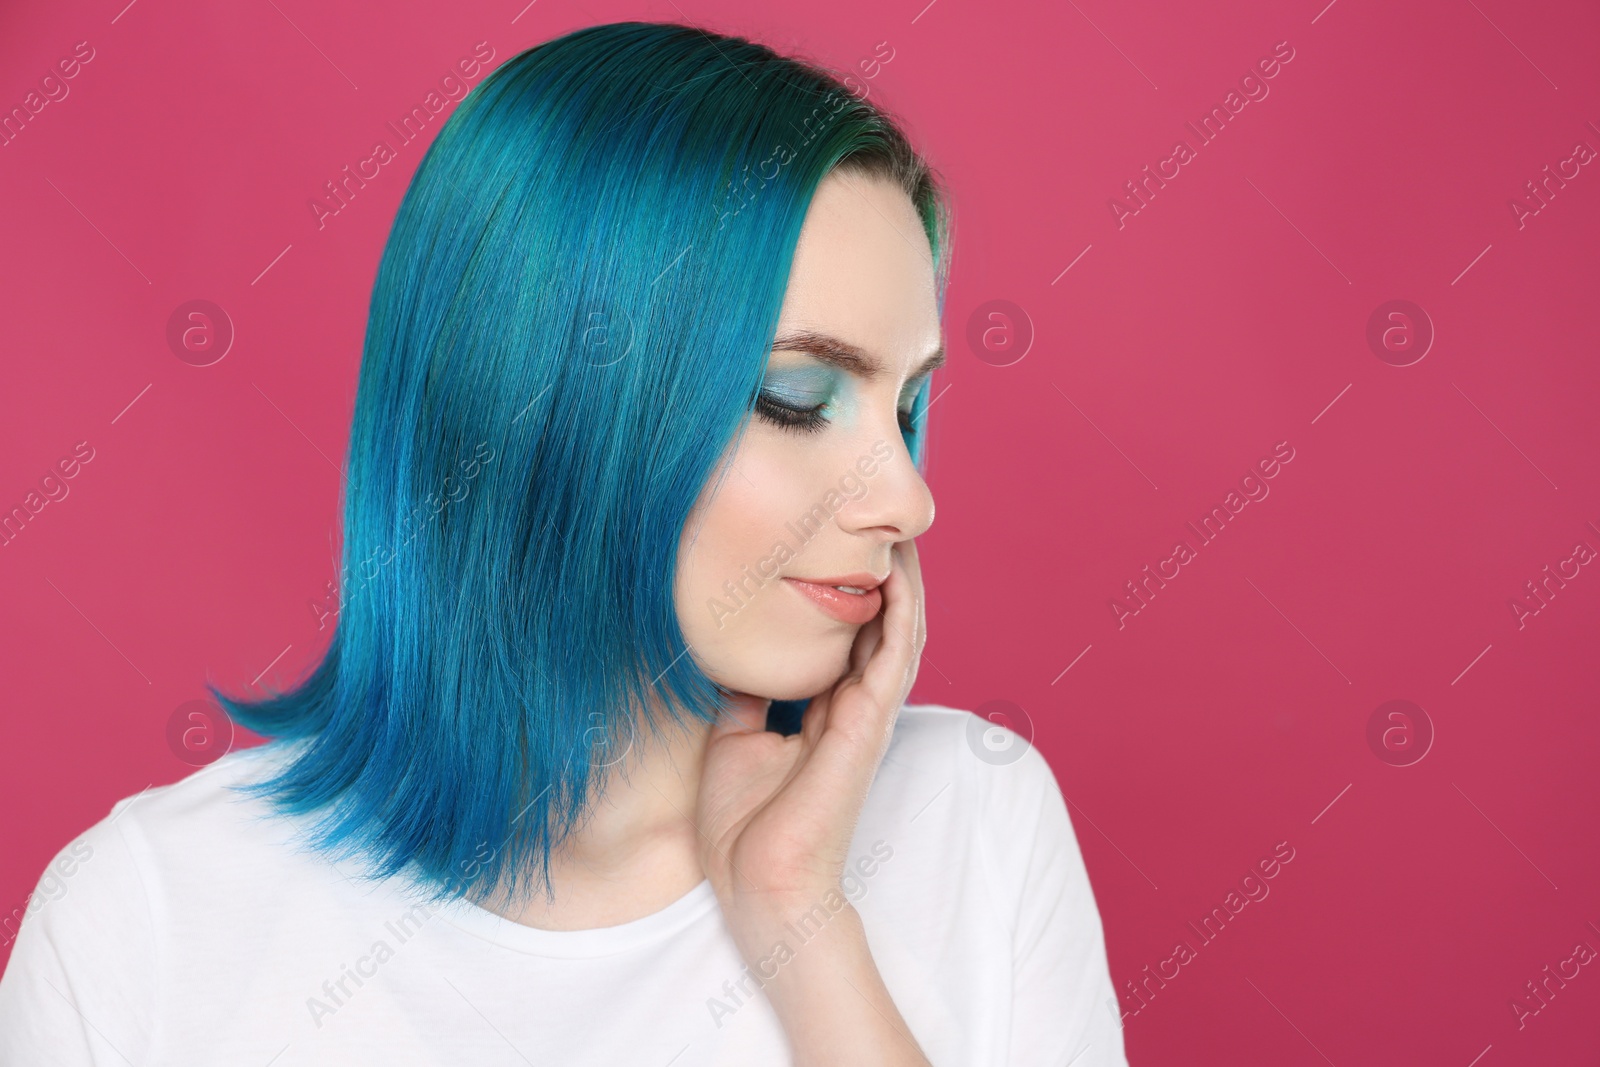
(634, 467)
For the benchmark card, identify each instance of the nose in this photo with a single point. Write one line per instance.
(895, 503)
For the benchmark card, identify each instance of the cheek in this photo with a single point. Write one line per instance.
(748, 632)
(742, 525)
(740, 538)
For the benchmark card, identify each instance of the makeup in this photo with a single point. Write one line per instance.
(853, 608)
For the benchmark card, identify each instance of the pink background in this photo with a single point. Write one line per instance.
(1229, 314)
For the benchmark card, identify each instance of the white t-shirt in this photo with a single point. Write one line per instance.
(185, 929)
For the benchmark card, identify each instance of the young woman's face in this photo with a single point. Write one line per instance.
(821, 485)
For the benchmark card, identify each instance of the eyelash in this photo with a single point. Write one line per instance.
(803, 420)
(807, 420)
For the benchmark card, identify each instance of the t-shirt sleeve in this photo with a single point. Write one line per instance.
(1061, 978)
(80, 985)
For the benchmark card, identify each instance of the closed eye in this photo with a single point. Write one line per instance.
(803, 419)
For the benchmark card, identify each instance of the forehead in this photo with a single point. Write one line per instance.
(863, 272)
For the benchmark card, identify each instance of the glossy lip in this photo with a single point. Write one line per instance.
(858, 580)
(853, 608)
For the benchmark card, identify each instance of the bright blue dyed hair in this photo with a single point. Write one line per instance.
(570, 322)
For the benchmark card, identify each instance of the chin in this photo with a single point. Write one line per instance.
(791, 669)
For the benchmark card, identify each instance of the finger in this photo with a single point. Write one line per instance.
(814, 720)
(868, 638)
(913, 561)
(863, 651)
(888, 676)
(847, 728)
(866, 643)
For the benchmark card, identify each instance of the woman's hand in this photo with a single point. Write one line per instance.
(776, 813)
(776, 816)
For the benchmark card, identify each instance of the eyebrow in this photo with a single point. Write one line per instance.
(846, 356)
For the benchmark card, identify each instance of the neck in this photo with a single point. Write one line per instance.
(639, 849)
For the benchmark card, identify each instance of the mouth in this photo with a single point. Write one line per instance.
(849, 598)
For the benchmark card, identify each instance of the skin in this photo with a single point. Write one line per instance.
(768, 819)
